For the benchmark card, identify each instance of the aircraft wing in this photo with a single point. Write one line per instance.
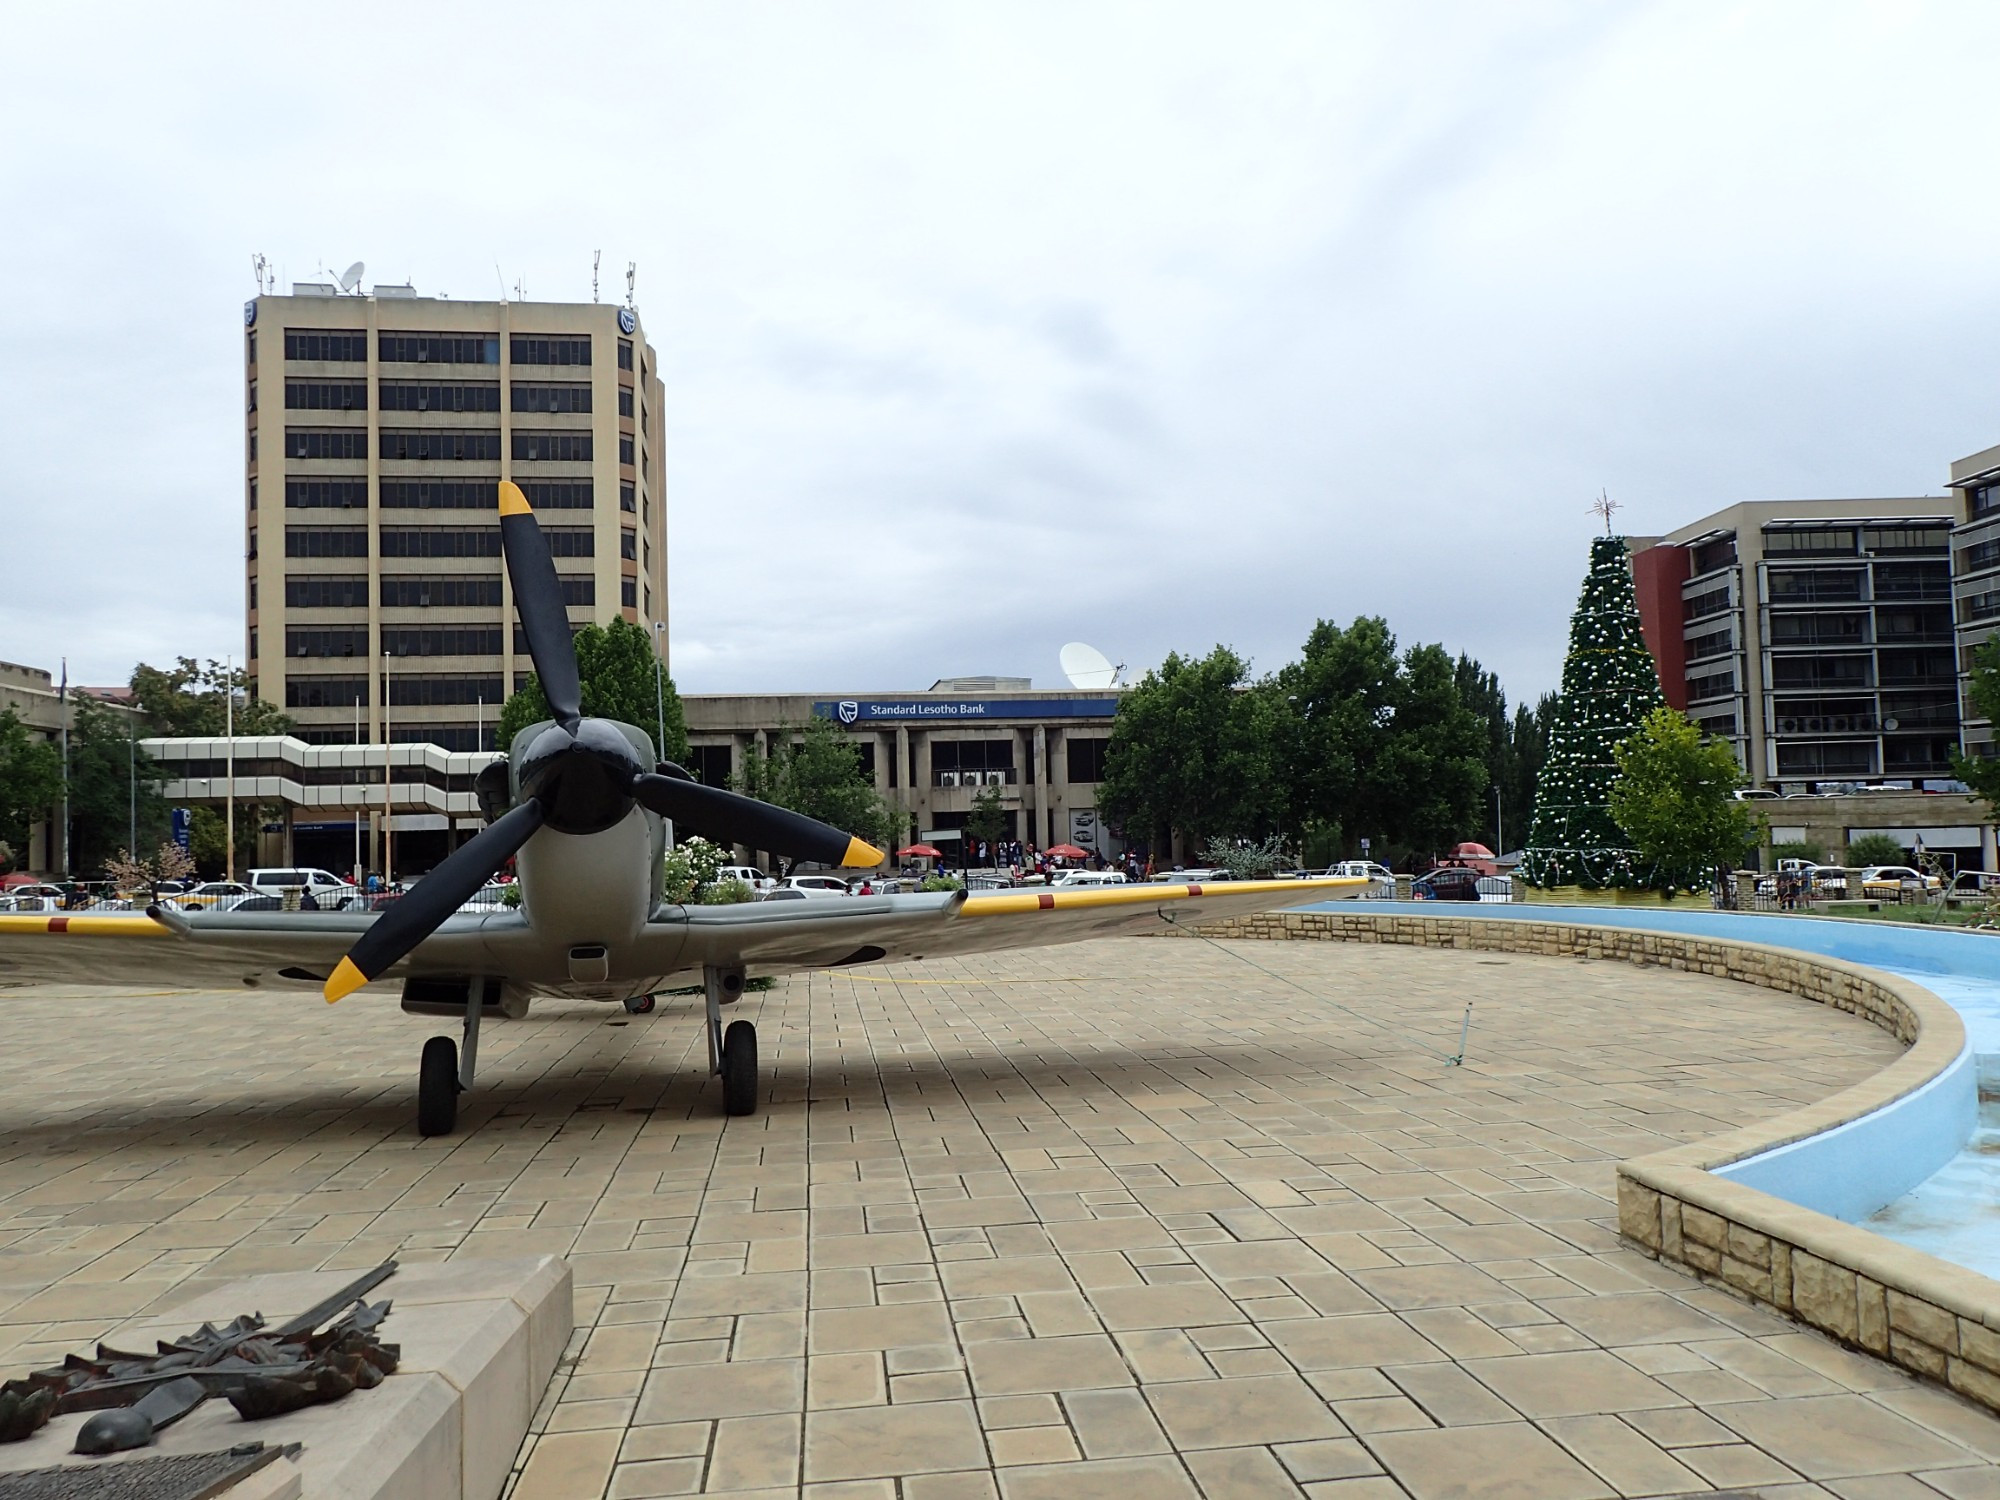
(775, 937)
(218, 950)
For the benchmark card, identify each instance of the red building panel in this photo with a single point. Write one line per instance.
(1657, 576)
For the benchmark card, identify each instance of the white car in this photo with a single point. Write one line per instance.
(1877, 879)
(811, 885)
(1090, 877)
(750, 875)
(328, 889)
(31, 898)
(213, 895)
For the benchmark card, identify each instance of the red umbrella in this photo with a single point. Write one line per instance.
(1067, 851)
(921, 851)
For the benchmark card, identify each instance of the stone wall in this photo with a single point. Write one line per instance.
(1933, 1318)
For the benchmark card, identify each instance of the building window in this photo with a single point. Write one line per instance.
(624, 401)
(251, 551)
(1839, 758)
(440, 541)
(1711, 685)
(1983, 606)
(1822, 672)
(338, 641)
(628, 593)
(253, 445)
(1906, 667)
(1846, 629)
(1713, 643)
(250, 344)
(1719, 553)
(628, 545)
(253, 594)
(1814, 585)
(1913, 580)
(326, 494)
(336, 346)
(552, 447)
(425, 689)
(550, 398)
(462, 640)
(558, 494)
(325, 692)
(440, 494)
(537, 349)
(341, 541)
(418, 395)
(457, 445)
(624, 354)
(437, 349)
(1824, 540)
(253, 396)
(711, 765)
(308, 592)
(325, 395)
(1907, 538)
(1913, 623)
(253, 494)
(1708, 602)
(625, 496)
(451, 590)
(1086, 757)
(253, 636)
(571, 541)
(648, 591)
(579, 589)
(322, 442)
(1978, 556)
(625, 450)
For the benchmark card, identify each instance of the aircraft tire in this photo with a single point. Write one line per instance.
(739, 1068)
(640, 1005)
(437, 1087)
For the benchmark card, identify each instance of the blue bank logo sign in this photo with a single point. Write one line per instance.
(929, 710)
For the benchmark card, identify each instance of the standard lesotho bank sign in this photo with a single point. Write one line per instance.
(906, 710)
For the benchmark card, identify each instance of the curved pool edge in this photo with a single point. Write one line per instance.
(1929, 1316)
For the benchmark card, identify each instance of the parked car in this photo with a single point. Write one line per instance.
(328, 889)
(1090, 877)
(1889, 880)
(1189, 877)
(213, 895)
(811, 886)
(28, 898)
(750, 875)
(1452, 883)
(1755, 794)
(1380, 876)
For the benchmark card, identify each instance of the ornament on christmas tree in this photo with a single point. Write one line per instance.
(1609, 685)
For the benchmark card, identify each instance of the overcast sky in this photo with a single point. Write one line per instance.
(986, 328)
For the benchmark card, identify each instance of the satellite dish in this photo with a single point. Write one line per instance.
(351, 277)
(1087, 667)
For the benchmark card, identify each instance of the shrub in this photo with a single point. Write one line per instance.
(1876, 849)
(726, 893)
(941, 883)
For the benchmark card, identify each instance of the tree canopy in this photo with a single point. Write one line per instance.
(1190, 752)
(1672, 797)
(815, 769)
(1982, 691)
(30, 785)
(102, 765)
(188, 699)
(616, 665)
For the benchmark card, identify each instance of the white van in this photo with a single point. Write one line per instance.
(750, 875)
(1090, 877)
(328, 889)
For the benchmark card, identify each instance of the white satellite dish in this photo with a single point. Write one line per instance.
(1087, 667)
(351, 277)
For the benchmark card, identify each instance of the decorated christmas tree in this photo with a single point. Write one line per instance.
(1609, 684)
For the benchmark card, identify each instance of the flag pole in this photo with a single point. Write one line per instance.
(229, 763)
(62, 715)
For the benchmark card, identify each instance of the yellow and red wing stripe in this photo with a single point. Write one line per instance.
(107, 924)
(1067, 899)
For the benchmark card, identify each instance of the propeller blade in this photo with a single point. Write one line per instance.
(416, 916)
(731, 818)
(539, 601)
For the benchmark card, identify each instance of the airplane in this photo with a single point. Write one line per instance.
(587, 807)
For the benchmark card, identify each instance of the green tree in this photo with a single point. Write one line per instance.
(188, 700)
(1876, 849)
(1672, 796)
(815, 769)
(102, 766)
(30, 783)
(1609, 686)
(988, 818)
(1527, 750)
(1378, 744)
(615, 663)
(1190, 753)
(1982, 691)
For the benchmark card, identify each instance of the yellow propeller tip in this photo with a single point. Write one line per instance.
(512, 501)
(860, 855)
(343, 981)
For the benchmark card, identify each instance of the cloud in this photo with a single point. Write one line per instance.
(984, 330)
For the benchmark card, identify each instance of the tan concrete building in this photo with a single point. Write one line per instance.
(35, 697)
(1975, 577)
(931, 753)
(1815, 635)
(377, 430)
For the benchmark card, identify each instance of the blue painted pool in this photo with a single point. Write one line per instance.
(1924, 1170)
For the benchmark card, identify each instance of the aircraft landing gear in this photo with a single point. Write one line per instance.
(731, 1057)
(441, 1077)
(639, 1005)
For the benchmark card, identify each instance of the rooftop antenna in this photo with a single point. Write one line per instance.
(500, 277)
(595, 257)
(350, 279)
(262, 268)
(521, 288)
(631, 281)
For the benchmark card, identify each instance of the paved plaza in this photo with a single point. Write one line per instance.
(1134, 1218)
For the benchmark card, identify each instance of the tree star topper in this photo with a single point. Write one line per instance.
(1603, 506)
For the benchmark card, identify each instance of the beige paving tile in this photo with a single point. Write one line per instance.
(1014, 1367)
(566, 1465)
(1232, 1413)
(861, 1442)
(1113, 1424)
(1637, 1318)
(846, 1329)
(1570, 1384)
(1241, 1474)
(1176, 1305)
(1338, 1343)
(1829, 1437)
(725, 1390)
(1100, 1479)
(1506, 1461)
(1621, 1457)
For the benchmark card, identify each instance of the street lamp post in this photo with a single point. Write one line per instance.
(388, 798)
(229, 765)
(659, 691)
